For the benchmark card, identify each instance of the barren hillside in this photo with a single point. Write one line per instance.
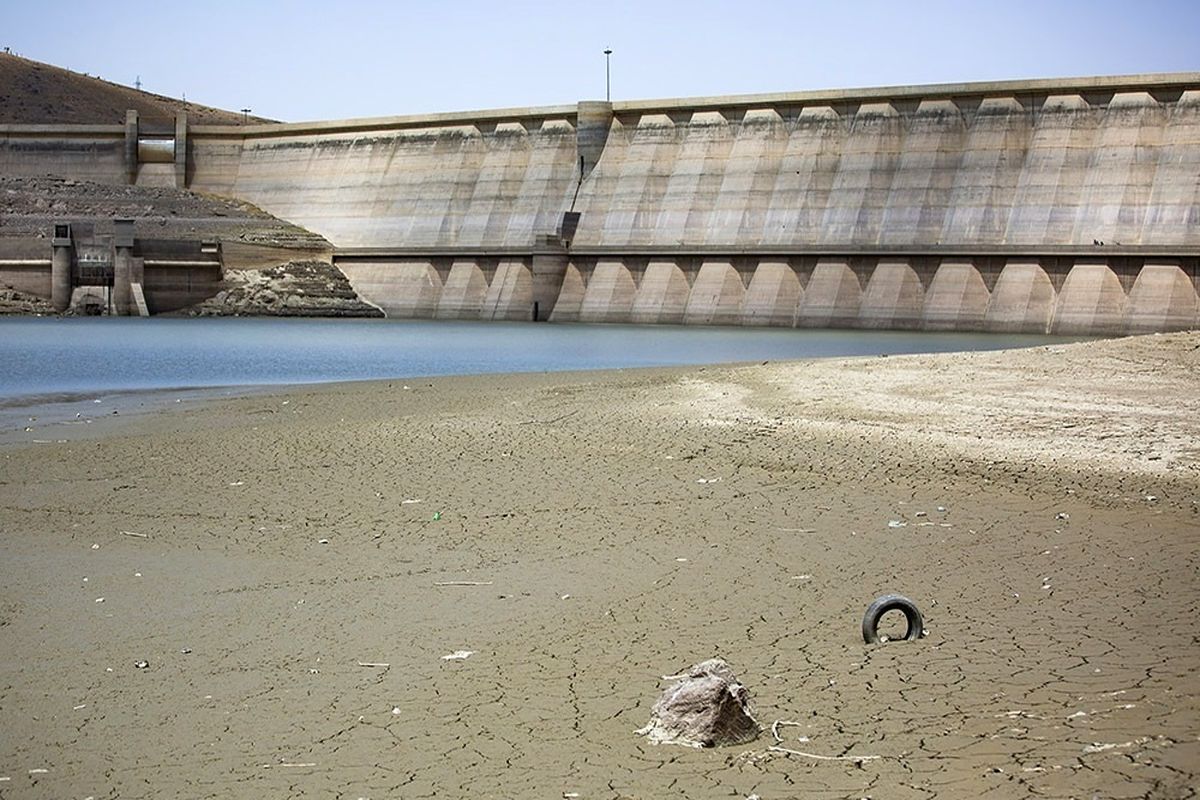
(34, 93)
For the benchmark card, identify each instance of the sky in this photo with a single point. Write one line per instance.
(309, 60)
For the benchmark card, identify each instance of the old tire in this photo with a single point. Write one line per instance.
(892, 602)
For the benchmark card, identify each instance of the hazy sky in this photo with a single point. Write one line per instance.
(332, 59)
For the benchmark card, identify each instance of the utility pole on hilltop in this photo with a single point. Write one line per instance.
(246, 115)
(607, 75)
(137, 84)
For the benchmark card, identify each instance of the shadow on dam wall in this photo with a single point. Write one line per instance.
(1068, 206)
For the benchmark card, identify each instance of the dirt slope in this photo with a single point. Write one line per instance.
(33, 93)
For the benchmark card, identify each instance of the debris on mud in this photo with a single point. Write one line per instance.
(707, 708)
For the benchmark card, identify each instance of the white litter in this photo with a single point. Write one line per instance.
(458, 655)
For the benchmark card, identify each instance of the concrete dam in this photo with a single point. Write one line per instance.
(1061, 206)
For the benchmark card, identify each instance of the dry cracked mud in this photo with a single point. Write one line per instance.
(306, 559)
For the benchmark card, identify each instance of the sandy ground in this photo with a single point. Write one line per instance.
(619, 527)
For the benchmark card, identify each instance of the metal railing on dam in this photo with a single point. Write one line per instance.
(1066, 205)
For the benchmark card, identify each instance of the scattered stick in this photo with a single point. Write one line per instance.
(548, 421)
(373, 664)
(138, 535)
(778, 749)
(779, 722)
(797, 530)
(463, 583)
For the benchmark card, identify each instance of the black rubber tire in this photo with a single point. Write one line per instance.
(892, 602)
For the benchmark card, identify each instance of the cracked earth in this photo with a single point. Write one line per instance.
(295, 569)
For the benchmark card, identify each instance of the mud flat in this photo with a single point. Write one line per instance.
(293, 570)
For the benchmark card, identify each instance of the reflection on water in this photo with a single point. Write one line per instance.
(67, 357)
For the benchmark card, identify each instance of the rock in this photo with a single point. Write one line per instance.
(295, 289)
(707, 708)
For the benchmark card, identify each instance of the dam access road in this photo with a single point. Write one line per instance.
(1047, 206)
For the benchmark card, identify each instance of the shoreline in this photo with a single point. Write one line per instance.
(266, 554)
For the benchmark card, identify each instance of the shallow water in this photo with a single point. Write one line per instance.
(73, 357)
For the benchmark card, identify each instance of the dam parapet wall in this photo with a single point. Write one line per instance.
(1057, 205)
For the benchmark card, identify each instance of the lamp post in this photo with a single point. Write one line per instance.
(607, 75)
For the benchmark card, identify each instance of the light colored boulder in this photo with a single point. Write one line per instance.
(708, 707)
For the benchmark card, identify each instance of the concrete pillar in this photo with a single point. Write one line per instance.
(609, 294)
(662, 296)
(957, 299)
(1162, 299)
(832, 297)
(773, 295)
(549, 267)
(181, 150)
(510, 294)
(463, 291)
(131, 146)
(591, 132)
(1022, 300)
(894, 297)
(122, 297)
(570, 296)
(60, 267)
(122, 280)
(1092, 301)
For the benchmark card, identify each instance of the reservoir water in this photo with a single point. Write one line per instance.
(79, 356)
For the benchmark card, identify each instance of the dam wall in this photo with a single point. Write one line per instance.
(452, 182)
(1067, 206)
(1018, 170)
(80, 152)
